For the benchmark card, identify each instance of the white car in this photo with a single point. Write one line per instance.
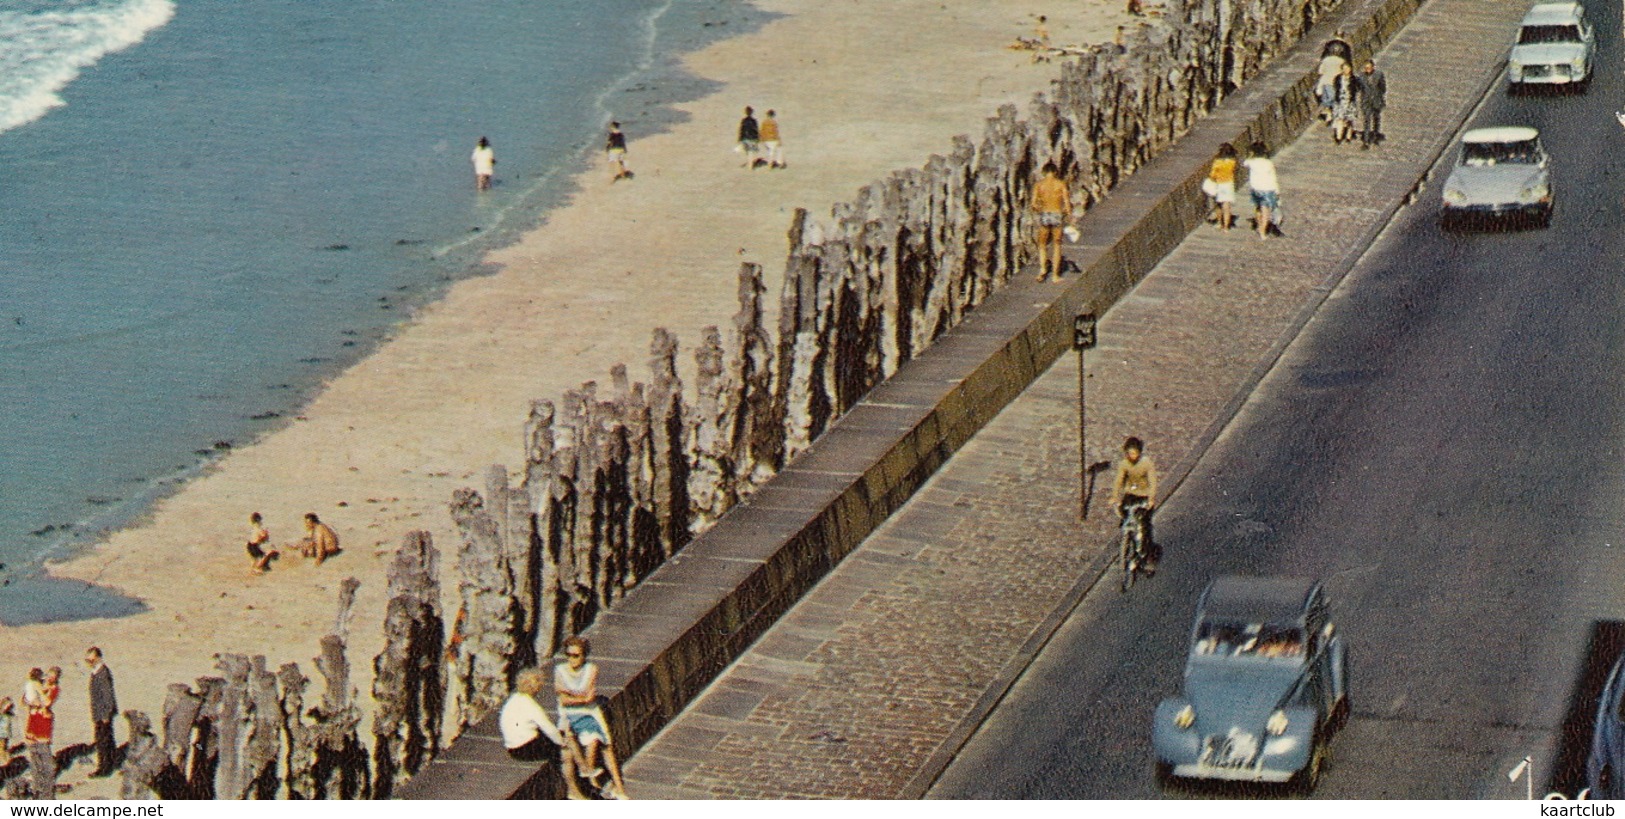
(1501, 172)
(1554, 47)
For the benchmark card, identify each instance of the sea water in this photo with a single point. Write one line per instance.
(207, 207)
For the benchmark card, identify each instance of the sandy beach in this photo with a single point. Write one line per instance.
(861, 89)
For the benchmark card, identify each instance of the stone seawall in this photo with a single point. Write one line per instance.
(662, 643)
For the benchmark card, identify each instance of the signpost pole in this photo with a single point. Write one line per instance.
(1083, 338)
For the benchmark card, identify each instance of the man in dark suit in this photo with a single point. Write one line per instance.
(103, 707)
(1373, 98)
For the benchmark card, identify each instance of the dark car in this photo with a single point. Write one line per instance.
(1605, 768)
(1266, 685)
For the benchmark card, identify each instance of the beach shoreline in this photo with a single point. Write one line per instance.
(380, 449)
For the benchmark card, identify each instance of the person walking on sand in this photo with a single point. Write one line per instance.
(257, 545)
(1373, 98)
(770, 141)
(1220, 185)
(485, 164)
(1266, 189)
(320, 541)
(1053, 204)
(530, 736)
(615, 149)
(576, 682)
(749, 136)
(103, 707)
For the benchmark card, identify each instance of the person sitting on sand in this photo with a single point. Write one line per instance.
(320, 541)
(257, 538)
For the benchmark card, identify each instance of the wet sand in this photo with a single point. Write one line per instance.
(861, 88)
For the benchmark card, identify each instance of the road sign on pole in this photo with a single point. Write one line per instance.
(1083, 338)
(1523, 769)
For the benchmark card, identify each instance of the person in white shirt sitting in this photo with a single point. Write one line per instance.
(530, 735)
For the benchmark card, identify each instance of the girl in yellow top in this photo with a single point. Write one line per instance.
(1221, 185)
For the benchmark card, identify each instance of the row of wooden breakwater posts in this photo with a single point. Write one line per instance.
(618, 478)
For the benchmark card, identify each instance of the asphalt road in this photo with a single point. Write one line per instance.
(1443, 446)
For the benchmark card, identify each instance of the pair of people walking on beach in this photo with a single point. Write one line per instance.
(580, 735)
(320, 542)
(760, 142)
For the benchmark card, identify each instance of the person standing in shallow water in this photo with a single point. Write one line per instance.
(485, 164)
(1053, 204)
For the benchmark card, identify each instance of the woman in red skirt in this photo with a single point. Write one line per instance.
(40, 695)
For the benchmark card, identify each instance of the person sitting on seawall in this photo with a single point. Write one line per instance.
(530, 736)
(576, 682)
(1136, 486)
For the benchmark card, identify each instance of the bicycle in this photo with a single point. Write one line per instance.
(1132, 554)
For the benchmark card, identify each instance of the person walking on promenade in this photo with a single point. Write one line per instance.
(485, 164)
(1053, 204)
(1221, 186)
(576, 682)
(1266, 188)
(530, 736)
(1136, 486)
(1333, 56)
(39, 696)
(770, 141)
(103, 707)
(749, 136)
(615, 149)
(1373, 98)
(320, 541)
(1345, 104)
(257, 545)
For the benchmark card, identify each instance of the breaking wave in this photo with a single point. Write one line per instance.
(45, 44)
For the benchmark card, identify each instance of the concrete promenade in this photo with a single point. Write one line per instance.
(867, 687)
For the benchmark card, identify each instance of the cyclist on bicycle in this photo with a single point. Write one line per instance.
(1136, 487)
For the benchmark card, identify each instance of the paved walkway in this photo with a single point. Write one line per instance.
(868, 685)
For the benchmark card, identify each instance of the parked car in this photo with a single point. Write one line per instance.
(1554, 47)
(1266, 685)
(1605, 767)
(1501, 172)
